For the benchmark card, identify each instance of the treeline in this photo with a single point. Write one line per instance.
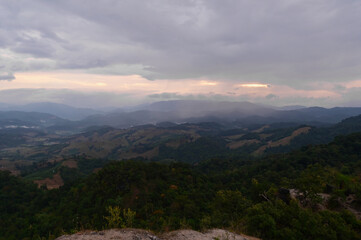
(250, 196)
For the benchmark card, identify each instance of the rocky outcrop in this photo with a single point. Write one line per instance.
(138, 234)
(135, 234)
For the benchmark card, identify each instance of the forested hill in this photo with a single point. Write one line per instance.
(321, 135)
(311, 193)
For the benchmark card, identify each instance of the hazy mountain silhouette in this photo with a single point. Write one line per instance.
(60, 110)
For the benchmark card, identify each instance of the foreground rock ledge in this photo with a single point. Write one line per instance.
(138, 234)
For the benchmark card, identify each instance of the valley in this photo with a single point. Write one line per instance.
(233, 174)
(195, 119)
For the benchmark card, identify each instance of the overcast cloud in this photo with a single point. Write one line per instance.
(96, 100)
(286, 42)
(7, 76)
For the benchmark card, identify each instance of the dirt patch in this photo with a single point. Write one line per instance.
(151, 153)
(287, 140)
(148, 154)
(178, 142)
(259, 130)
(173, 144)
(6, 165)
(140, 234)
(264, 135)
(51, 183)
(70, 164)
(284, 141)
(235, 137)
(235, 145)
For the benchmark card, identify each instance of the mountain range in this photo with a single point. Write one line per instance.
(60, 110)
(180, 111)
(183, 164)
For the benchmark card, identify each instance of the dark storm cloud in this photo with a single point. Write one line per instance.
(7, 76)
(165, 96)
(67, 96)
(107, 99)
(278, 42)
(271, 96)
(270, 99)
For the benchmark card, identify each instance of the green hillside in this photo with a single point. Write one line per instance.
(250, 196)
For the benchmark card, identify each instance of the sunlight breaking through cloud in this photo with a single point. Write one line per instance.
(254, 85)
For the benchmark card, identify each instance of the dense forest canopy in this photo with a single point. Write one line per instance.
(247, 195)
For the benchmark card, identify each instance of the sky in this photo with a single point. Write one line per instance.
(125, 52)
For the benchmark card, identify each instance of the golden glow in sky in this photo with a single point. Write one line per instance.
(254, 85)
(207, 83)
(141, 88)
